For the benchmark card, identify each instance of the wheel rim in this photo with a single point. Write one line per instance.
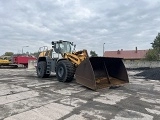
(60, 72)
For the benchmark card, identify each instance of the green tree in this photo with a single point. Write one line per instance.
(152, 55)
(8, 53)
(156, 43)
(93, 54)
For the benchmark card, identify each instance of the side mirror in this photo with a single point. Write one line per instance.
(52, 43)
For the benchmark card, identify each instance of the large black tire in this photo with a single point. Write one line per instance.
(65, 71)
(41, 69)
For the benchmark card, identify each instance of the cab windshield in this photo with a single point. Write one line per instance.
(65, 47)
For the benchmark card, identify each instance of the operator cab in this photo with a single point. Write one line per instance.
(62, 47)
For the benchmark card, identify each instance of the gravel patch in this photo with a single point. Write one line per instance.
(153, 73)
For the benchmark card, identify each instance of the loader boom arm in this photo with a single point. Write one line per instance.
(76, 57)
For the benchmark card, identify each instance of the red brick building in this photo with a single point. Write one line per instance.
(127, 54)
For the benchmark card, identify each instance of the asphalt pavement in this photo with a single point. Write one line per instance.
(23, 96)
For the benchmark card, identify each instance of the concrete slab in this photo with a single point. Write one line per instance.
(23, 96)
(52, 111)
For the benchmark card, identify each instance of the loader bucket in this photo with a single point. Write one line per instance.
(101, 72)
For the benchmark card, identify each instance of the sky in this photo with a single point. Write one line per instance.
(120, 24)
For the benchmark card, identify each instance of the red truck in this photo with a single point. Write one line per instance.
(22, 59)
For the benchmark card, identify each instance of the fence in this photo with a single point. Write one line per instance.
(142, 64)
(128, 64)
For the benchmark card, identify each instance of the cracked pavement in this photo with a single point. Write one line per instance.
(24, 96)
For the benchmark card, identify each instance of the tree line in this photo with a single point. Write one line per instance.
(154, 53)
(27, 53)
(36, 54)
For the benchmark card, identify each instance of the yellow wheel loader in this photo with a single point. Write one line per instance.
(92, 72)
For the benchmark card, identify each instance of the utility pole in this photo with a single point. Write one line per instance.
(23, 47)
(103, 49)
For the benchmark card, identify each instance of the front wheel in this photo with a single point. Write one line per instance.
(65, 71)
(41, 69)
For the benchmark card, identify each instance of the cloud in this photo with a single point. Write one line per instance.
(119, 24)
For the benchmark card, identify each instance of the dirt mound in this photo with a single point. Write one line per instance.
(153, 74)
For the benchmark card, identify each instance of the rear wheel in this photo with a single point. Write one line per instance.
(65, 71)
(41, 69)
